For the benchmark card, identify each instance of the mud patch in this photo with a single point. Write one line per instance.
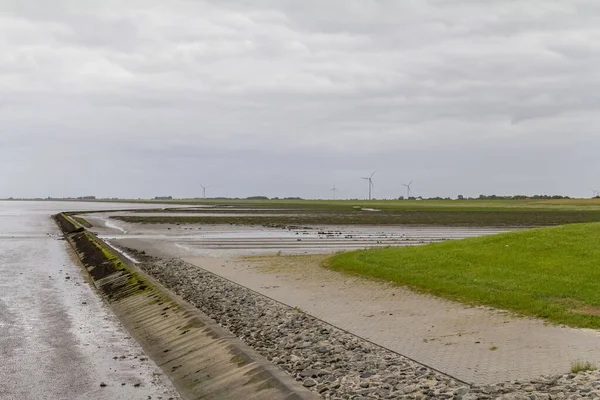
(285, 263)
(587, 310)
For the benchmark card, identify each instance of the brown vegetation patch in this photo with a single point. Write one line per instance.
(587, 310)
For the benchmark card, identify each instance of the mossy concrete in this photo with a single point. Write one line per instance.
(203, 360)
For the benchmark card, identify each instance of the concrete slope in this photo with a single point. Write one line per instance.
(203, 360)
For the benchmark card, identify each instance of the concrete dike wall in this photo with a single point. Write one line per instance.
(203, 360)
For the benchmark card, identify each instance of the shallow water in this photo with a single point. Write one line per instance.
(230, 240)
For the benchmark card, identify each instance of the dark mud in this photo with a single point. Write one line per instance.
(510, 218)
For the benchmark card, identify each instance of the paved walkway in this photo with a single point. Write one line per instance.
(473, 344)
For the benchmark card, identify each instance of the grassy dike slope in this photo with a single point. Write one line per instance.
(550, 273)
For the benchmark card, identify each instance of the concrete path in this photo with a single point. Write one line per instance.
(58, 341)
(476, 345)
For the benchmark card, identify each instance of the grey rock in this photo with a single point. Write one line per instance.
(461, 391)
(335, 363)
(311, 373)
(309, 383)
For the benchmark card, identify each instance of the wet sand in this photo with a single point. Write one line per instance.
(474, 344)
(170, 240)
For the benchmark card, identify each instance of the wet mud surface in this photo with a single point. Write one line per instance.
(58, 340)
(225, 240)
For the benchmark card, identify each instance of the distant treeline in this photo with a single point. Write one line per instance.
(257, 198)
(491, 197)
(521, 197)
(51, 198)
(460, 197)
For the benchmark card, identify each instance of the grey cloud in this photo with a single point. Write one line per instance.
(288, 97)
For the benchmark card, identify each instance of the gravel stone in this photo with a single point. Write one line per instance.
(335, 363)
(310, 383)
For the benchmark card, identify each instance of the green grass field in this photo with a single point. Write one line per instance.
(551, 273)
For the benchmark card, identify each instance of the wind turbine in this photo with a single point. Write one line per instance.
(370, 179)
(596, 192)
(334, 190)
(407, 186)
(204, 190)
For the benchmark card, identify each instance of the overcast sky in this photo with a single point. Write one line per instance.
(141, 98)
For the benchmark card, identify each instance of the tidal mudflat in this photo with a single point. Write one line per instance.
(58, 340)
(284, 263)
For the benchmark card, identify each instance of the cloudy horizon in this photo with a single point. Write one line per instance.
(288, 98)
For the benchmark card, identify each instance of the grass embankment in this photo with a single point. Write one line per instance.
(550, 273)
(353, 217)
